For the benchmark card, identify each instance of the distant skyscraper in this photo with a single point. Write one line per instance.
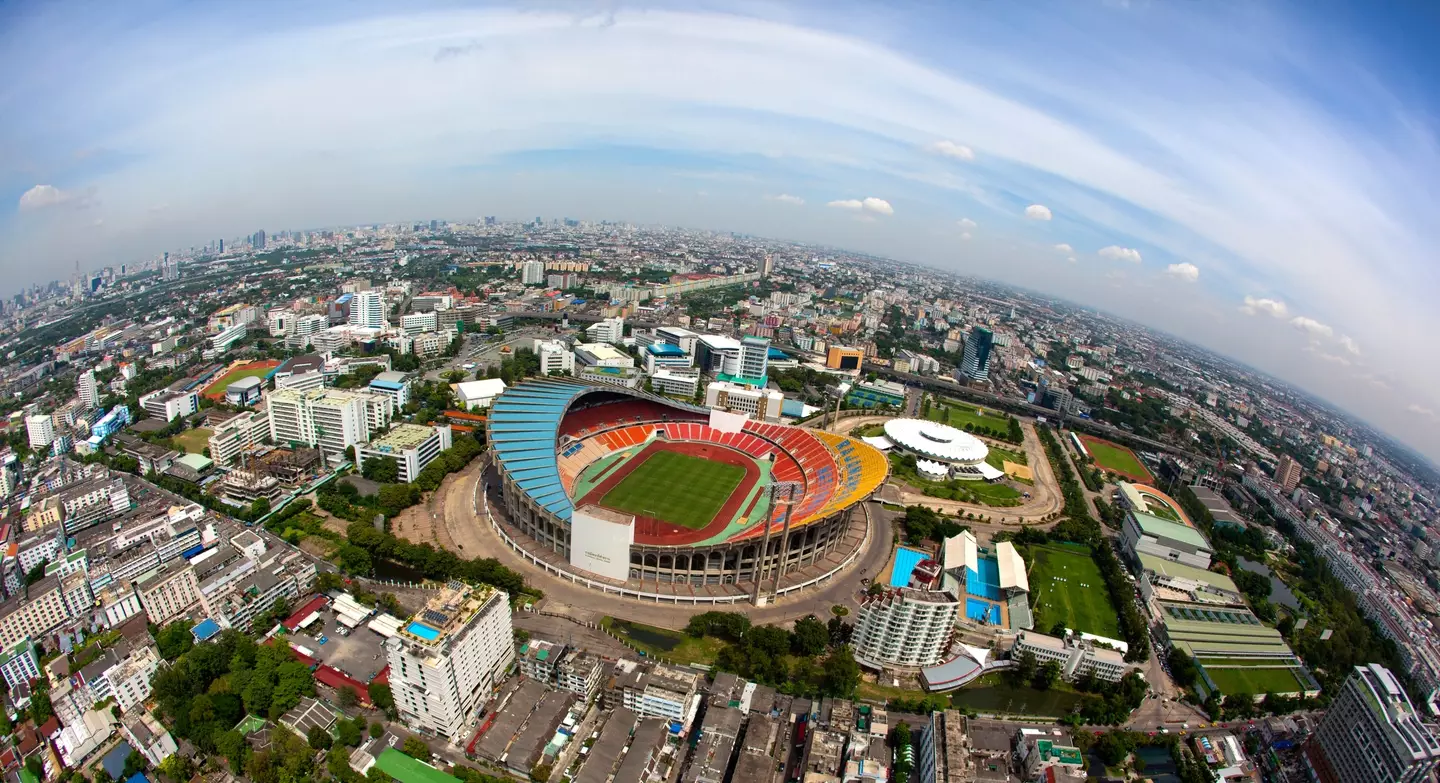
(975, 362)
(434, 225)
(259, 240)
(532, 273)
(222, 247)
(1287, 473)
(767, 265)
(1372, 732)
(489, 220)
(538, 221)
(367, 309)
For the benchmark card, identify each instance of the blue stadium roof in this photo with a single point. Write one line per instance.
(665, 349)
(524, 427)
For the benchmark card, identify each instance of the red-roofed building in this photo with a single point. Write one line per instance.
(306, 613)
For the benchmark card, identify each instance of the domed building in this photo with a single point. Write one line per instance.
(941, 451)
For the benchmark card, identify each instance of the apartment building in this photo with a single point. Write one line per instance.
(905, 627)
(170, 404)
(1076, 657)
(169, 591)
(656, 690)
(19, 664)
(1373, 732)
(410, 445)
(236, 435)
(328, 419)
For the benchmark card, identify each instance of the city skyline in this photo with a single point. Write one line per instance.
(1252, 193)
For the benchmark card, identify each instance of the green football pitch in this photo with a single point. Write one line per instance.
(1253, 680)
(1117, 459)
(676, 488)
(1065, 585)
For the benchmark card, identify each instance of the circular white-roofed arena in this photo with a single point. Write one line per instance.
(632, 493)
(941, 451)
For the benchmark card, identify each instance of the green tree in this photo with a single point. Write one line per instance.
(318, 738)
(230, 745)
(175, 639)
(841, 674)
(347, 698)
(382, 470)
(349, 732)
(259, 508)
(415, 748)
(810, 636)
(1046, 675)
(382, 698)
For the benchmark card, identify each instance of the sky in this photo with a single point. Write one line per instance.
(1260, 178)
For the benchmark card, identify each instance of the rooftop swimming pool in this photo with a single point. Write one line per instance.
(423, 631)
(905, 561)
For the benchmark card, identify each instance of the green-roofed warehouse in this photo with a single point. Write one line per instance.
(1150, 535)
(407, 770)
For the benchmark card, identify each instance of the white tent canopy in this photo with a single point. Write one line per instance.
(1012, 567)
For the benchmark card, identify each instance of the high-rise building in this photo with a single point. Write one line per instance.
(328, 419)
(610, 330)
(259, 240)
(532, 273)
(1372, 732)
(88, 389)
(1287, 472)
(555, 357)
(905, 627)
(767, 265)
(450, 656)
(754, 358)
(975, 362)
(41, 430)
(367, 309)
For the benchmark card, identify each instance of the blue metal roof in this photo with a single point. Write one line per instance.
(665, 349)
(524, 427)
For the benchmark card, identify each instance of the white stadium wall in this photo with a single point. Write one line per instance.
(601, 546)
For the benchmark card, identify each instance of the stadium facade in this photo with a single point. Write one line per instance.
(561, 448)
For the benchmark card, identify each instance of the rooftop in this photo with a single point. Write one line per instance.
(602, 351)
(1152, 525)
(447, 612)
(402, 437)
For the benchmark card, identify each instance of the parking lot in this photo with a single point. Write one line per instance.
(360, 655)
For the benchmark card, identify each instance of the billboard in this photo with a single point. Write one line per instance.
(600, 541)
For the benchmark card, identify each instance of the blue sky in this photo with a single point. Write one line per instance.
(1258, 177)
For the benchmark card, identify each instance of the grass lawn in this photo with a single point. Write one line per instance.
(193, 441)
(218, 386)
(1163, 511)
(994, 494)
(998, 456)
(1116, 458)
(1254, 680)
(958, 415)
(676, 646)
(1080, 600)
(991, 694)
(676, 488)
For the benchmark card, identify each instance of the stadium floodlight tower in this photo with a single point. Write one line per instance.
(787, 494)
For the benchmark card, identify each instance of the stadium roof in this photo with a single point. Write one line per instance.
(524, 425)
(936, 440)
(961, 551)
(1181, 571)
(1152, 525)
(1012, 567)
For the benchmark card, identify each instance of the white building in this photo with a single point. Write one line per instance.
(328, 419)
(19, 664)
(1373, 732)
(41, 430)
(478, 394)
(656, 690)
(610, 330)
(301, 330)
(601, 355)
(754, 357)
(367, 309)
(235, 435)
(146, 735)
(718, 354)
(168, 592)
(757, 403)
(167, 405)
(221, 341)
(416, 323)
(532, 273)
(450, 656)
(88, 390)
(905, 627)
(555, 356)
(682, 338)
(396, 385)
(410, 445)
(1151, 535)
(1076, 657)
(676, 382)
(280, 322)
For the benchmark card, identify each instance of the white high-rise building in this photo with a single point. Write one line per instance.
(754, 357)
(555, 356)
(419, 323)
(329, 419)
(450, 657)
(280, 322)
(1373, 732)
(41, 430)
(610, 330)
(235, 435)
(367, 309)
(905, 627)
(88, 390)
(532, 273)
(764, 404)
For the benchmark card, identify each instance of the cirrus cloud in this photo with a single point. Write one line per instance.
(786, 198)
(1117, 253)
(1264, 306)
(1184, 271)
(950, 149)
(1421, 410)
(1038, 212)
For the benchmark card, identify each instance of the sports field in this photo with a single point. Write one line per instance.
(958, 414)
(1253, 679)
(216, 390)
(1065, 586)
(676, 488)
(1117, 459)
(194, 441)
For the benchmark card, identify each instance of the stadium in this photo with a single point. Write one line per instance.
(941, 451)
(635, 493)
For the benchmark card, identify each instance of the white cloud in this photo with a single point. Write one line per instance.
(786, 198)
(1038, 212)
(966, 223)
(950, 149)
(1262, 306)
(1117, 253)
(1064, 248)
(48, 197)
(853, 204)
(965, 236)
(1311, 326)
(1073, 260)
(1184, 271)
(879, 205)
(1348, 343)
(1421, 410)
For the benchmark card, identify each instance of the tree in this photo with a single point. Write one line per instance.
(382, 470)
(840, 631)
(810, 636)
(318, 738)
(133, 763)
(377, 728)
(177, 766)
(347, 698)
(382, 698)
(1026, 667)
(416, 748)
(840, 673)
(259, 508)
(1046, 675)
(175, 639)
(231, 745)
(349, 732)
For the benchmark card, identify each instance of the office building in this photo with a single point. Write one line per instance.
(1372, 733)
(328, 419)
(601, 355)
(237, 434)
(555, 357)
(610, 330)
(910, 361)
(395, 385)
(40, 429)
(1148, 534)
(168, 404)
(88, 390)
(221, 341)
(367, 309)
(1287, 473)
(1057, 398)
(418, 323)
(450, 656)
(754, 362)
(757, 403)
(1076, 657)
(975, 361)
(681, 338)
(410, 445)
(532, 273)
(676, 382)
(905, 627)
(841, 358)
